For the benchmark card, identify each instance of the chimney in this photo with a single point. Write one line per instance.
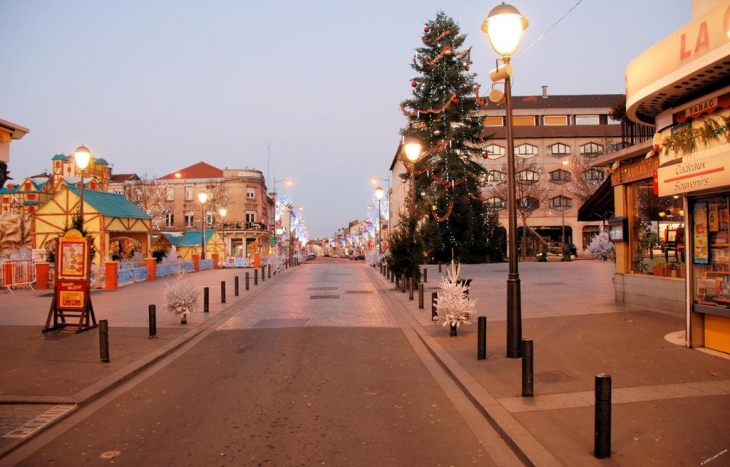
(544, 92)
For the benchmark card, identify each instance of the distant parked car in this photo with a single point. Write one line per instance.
(311, 256)
(359, 257)
(570, 251)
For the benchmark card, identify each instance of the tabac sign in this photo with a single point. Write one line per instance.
(695, 175)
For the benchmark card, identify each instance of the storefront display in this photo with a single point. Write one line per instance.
(711, 251)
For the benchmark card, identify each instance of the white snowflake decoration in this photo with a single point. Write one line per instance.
(453, 304)
(601, 246)
(373, 257)
(277, 262)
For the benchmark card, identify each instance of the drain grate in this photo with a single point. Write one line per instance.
(324, 297)
(39, 422)
(364, 292)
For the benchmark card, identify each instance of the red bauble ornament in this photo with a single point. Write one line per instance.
(413, 84)
(466, 69)
(455, 100)
(426, 29)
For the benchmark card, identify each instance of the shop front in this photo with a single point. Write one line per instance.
(677, 222)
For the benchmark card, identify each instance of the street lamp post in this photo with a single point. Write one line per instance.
(203, 197)
(379, 194)
(563, 180)
(223, 212)
(504, 27)
(82, 157)
(413, 152)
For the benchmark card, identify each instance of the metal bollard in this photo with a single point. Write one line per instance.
(403, 283)
(104, 340)
(268, 266)
(602, 445)
(425, 275)
(206, 299)
(434, 297)
(153, 321)
(410, 288)
(255, 277)
(528, 377)
(235, 286)
(246, 280)
(439, 267)
(223, 291)
(263, 273)
(482, 338)
(420, 296)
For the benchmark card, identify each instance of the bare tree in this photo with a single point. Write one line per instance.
(532, 190)
(217, 199)
(149, 196)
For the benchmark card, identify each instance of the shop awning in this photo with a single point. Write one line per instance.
(599, 207)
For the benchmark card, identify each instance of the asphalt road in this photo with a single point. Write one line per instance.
(289, 380)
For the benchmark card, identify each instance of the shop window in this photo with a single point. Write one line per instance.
(710, 243)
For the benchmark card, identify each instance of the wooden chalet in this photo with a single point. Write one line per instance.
(189, 244)
(110, 218)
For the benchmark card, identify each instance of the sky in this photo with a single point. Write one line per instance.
(308, 91)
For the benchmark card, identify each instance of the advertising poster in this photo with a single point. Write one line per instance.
(700, 234)
(71, 295)
(72, 261)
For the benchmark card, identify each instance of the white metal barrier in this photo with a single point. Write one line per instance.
(18, 273)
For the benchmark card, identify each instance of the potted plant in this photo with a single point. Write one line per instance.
(453, 304)
(658, 268)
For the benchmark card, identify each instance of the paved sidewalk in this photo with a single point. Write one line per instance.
(670, 404)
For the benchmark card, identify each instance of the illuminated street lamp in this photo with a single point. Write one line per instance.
(223, 212)
(203, 197)
(413, 152)
(504, 27)
(82, 157)
(379, 194)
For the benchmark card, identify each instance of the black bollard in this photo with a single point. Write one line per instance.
(602, 443)
(434, 297)
(268, 266)
(482, 338)
(153, 321)
(528, 377)
(246, 281)
(223, 291)
(235, 286)
(206, 299)
(425, 275)
(439, 267)
(104, 340)
(403, 283)
(410, 288)
(420, 296)
(255, 277)
(263, 273)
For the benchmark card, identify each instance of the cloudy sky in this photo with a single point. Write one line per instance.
(302, 90)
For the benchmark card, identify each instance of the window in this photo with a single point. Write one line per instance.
(558, 150)
(561, 203)
(250, 216)
(527, 176)
(528, 203)
(169, 219)
(560, 176)
(594, 175)
(495, 177)
(587, 120)
(591, 150)
(493, 121)
(526, 151)
(188, 193)
(555, 120)
(496, 203)
(117, 191)
(250, 193)
(208, 218)
(523, 120)
(170, 193)
(189, 220)
(494, 152)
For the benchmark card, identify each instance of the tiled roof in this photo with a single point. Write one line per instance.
(120, 178)
(569, 101)
(100, 161)
(193, 238)
(199, 170)
(111, 204)
(59, 157)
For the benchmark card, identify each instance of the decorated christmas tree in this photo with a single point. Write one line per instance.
(443, 116)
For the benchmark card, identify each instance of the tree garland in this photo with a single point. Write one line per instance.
(685, 139)
(429, 111)
(446, 216)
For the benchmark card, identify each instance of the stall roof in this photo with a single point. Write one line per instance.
(600, 205)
